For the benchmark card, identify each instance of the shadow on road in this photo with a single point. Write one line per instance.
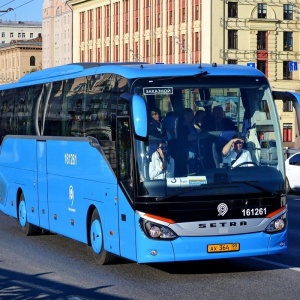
(19, 286)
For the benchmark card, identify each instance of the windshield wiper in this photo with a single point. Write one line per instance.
(250, 183)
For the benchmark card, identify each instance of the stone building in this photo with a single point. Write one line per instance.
(19, 30)
(57, 33)
(18, 58)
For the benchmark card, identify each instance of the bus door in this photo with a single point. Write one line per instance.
(289, 98)
(42, 183)
(125, 194)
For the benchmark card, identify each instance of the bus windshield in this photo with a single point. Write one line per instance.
(191, 121)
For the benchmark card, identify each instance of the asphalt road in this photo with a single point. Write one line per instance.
(55, 267)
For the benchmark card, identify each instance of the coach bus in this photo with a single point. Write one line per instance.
(77, 145)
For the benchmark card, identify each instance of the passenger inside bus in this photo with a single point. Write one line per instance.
(193, 144)
(155, 123)
(217, 121)
(162, 164)
(233, 153)
(199, 117)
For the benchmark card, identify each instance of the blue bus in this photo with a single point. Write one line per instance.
(79, 144)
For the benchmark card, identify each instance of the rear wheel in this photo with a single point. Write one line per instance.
(101, 256)
(27, 228)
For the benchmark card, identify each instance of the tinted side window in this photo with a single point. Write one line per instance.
(295, 160)
(17, 111)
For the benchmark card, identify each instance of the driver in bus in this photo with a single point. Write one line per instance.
(162, 164)
(234, 154)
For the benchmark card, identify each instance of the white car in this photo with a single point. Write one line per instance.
(292, 167)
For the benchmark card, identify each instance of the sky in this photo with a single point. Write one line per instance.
(23, 10)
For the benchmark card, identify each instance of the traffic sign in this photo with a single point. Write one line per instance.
(251, 64)
(293, 66)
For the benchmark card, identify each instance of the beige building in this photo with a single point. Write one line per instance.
(19, 30)
(57, 33)
(19, 58)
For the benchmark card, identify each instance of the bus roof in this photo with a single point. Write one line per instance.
(130, 70)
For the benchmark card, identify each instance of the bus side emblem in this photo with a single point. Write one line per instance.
(222, 209)
(71, 194)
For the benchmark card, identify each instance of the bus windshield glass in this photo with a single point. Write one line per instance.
(208, 135)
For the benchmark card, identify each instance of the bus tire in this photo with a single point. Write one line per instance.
(101, 256)
(27, 228)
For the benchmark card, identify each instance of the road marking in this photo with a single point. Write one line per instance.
(276, 264)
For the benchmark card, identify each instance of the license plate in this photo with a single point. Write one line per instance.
(223, 248)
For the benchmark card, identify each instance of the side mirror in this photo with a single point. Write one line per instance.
(139, 113)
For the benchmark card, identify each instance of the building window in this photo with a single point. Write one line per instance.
(287, 11)
(170, 17)
(261, 11)
(287, 74)
(32, 61)
(183, 15)
(31, 35)
(136, 24)
(232, 39)
(170, 45)
(158, 47)
(82, 26)
(288, 41)
(23, 34)
(19, 34)
(232, 9)
(262, 66)
(261, 40)
(287, 132)
(232, 62)
(197, 12)
(197, 41)
(3, 34)
(11, 34)
(287, 106)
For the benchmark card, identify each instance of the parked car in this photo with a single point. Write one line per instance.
(292, 166)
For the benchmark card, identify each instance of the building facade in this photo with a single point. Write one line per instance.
(18, 30)
(261, 34)
(19, 58)
(148, 30)
(57, 33)
(257, 33)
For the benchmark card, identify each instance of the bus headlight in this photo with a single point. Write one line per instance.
(277, 224)
(157, 231)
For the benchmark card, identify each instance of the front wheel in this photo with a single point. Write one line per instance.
(27, 228)
(101, 256)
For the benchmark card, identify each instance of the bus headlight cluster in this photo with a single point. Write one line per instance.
(157, 231)
(277, 224)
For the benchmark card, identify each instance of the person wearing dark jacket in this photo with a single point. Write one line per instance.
(217, 121)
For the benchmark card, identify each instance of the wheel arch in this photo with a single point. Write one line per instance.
(88, 222)
(18, 199)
